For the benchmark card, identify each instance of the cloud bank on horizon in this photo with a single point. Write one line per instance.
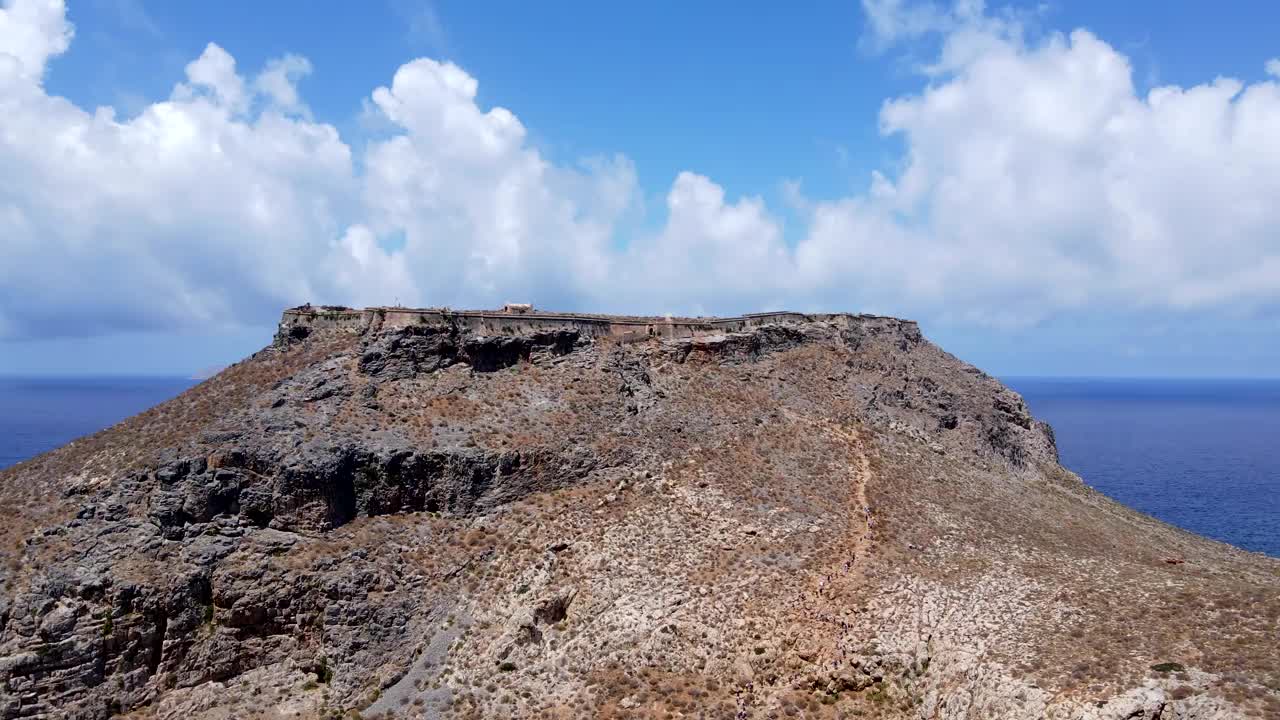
(1034, 181)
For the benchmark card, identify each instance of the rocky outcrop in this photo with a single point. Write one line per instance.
(418, 349)
(774, 516)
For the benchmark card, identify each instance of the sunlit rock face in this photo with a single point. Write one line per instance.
(526, 514)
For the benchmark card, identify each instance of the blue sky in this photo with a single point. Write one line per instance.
(655, 157)
(673, 85)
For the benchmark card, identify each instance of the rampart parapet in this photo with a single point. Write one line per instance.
(301, 321)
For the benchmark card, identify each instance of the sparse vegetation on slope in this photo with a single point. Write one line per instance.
(826, 518)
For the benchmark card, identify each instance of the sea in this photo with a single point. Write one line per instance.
(1200, 454)
(40, 414)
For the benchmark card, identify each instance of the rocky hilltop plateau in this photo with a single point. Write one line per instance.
(430, 514)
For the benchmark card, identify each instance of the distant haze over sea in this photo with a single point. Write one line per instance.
(1199, 454)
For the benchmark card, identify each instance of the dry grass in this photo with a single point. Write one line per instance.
(716, 557)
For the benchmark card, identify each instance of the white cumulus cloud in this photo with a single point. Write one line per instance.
(712, 255)
(483, 215)
(1036, 180)
(191, 213)
(279, 81)
(32, 32)
(215, 72)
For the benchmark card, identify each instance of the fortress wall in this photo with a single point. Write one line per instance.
(308, 320)
(300, 321)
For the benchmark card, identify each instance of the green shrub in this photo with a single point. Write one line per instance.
(324, 673)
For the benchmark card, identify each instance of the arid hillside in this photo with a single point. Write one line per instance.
(819, 517)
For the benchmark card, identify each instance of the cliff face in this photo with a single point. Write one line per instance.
(469, 515)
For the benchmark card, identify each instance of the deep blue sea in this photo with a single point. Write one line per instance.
(41, 414)
(1201, 454)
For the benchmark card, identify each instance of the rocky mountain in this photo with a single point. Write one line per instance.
(393, 513)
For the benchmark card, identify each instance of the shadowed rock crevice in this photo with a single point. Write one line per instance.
(155, 654)
(417, 349)
(410, 351)
(332, 487)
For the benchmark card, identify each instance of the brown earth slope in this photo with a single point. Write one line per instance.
(825, 517)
